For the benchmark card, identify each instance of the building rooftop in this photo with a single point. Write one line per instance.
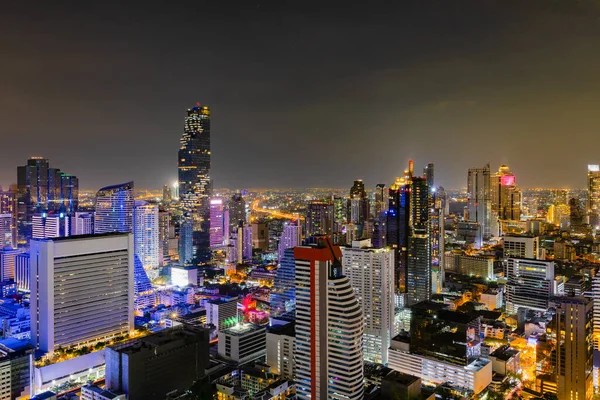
(241, 329)
(286, 330)
(44, 396)
(80, 237)
(504, 353)
(160, 338)
(102, 392)
(401, 378)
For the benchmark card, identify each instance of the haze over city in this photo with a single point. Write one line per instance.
(303, 94)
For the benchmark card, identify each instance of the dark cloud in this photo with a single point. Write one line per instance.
(303, 94)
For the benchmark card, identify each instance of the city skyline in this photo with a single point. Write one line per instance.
(515, 75)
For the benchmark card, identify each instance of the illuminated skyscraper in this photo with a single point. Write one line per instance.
(237, 211)
(217, 227)
(506, 195)
(398, 228)
(593, 187)
(194, 174)
(479, 198)
(114, 209)
(6, 231)
(428, 173)
(42, 189)
(46, 226)
(186, 246)
(164, 222)
(381, 199)
(329, 326)
(82, 223)
(358, 204)
(319, 218)
(283, 293)
(146, 234)
(290, 237)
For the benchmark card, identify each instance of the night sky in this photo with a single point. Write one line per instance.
(302, 94)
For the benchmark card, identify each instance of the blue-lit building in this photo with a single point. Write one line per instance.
(144, 295)
(114, 209)
(283, 293)
(186, 247)
(397, 228)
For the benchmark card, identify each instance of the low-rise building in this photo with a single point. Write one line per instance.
(242, 343)
(93, 392)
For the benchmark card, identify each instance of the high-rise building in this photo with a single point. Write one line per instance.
(428, 173)
(418, 260)
(151, 367)
(194, 175)
(237, 211)
(397, 225)
(260, 235)
(437, 231)
(146, 234)
(82, 223)
(506, 195)
(281, 350)
(22, 262)
(358, 204)
(329, 326)
(371, 274)
(6, 231)
(319, 218)
(114, 209)
(479, 198)
(242, 343)
(283, 292)
(576, 216)
(81, 289)
(167, 194)
(221, 312)
(46, 226)
(521, 246)
(568, 369)
(143, 292)
(381, 199)
(164, 223)
(530, 284)
(15, 365)
(290, 237)
(42, 189)
(217, 227)
(593, 202)
(186, 245)
(8, 200)
(7, 263)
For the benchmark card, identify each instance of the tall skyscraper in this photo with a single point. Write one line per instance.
(46, 226)
(81, 290)
(114, 209)
(319, 218)
(593, 187)
(6, 231)
(290, 237)
(506, 195)
(479, 198)
(167, 194)
(164, 223)
(398, 228)
(260, 235)
(437, 229)
(237, 211)
(428, 173)
(146, 234)
(186, 246)
(82, 223)
(42, 189)
(358, 204)
(194, 174)
(371, 274)
(217, 227)
(329, 326)
(8, 200)
(381, 199)
(283, 293)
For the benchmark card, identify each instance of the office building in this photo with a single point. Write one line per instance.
(15, 363)
(222, 313)
(8, 200)
(194, 175)
(242, 343)
(475, 265)
(418, 259)
(567, 371)
(7, 263)
(237, 211)
(42, 189)
(429, 175)
(319, 218)
(577, 216)
(437, 238)
(381, 199)
(283, 292)
(82, 223)
(150, 367)
(593, 201)
(143, 292)
(521, 246)
(530, 284)
(114, 209)
(398, 227)
(146, 234)
(479, 198)
(48, 226)
(186, 244)
(329, 326)
(7, 238)
(164, 225)
(260, 236)
(358, 204)
(281, 347)
(82, 289)
(506, 195)
(94, 392)
(22, 271)
(290, 237)
(371, 274)
(217, 227)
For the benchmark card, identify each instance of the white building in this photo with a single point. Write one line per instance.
(7, 263)
(329, 326)
(184, 275)
(81, 289)
(281, 347)
(530, 284)
(492, 299)
(93, 392)
(371, 274)
(242, 343)
(82, 223)
(22, 271)
(222, 312)
(47, 226)
(521, 246)
(475, 376)
(6, 231)
(290, 237)
(146, 234)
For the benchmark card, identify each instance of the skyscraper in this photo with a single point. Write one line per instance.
(146, 234)
(506, 195)
(82, 223)
(371, 274)
(237, 211)
(358, 204)
(42, 189)
(283, 293)
(319, 218)
(290, 237)
(114, 209)
(418, 259)
(428, 173)
(194, 174)
(81, 289)
(186, 246)
(381, 199)
(479, 198)
(6, 231)
(164, 223)
(329, 326)
(216, 222)
(45, 226)
(530, 284)
(593, 187)
(398, 224)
